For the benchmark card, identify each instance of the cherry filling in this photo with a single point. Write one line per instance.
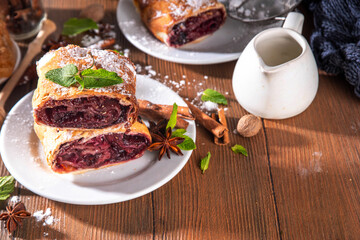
(196, 27)
(85, 112)
(99, 151)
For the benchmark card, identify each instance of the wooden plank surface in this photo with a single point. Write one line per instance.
(315, 166)
(300, 181)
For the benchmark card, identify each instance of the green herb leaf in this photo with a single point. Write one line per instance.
(7, 185)
(204, 164)
(188, 144)
(74, 26)
(173, 117)
(239, 149)
(63, 76)
(118, 52)
(99, 78)
(213, 96)
(88, 78)
(178, 132)
(80, 81)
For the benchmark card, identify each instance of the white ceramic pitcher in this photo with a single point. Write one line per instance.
(276, 76)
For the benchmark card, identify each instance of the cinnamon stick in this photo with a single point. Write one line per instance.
(210, 124)
(156, 112)
(224, 140)
(183, 112)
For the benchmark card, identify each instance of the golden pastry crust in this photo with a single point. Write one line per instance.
(53, 138)
(7, 56)
(84, 58)
(161, 16)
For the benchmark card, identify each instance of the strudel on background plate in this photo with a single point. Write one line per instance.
(95, 108)
(178, 22)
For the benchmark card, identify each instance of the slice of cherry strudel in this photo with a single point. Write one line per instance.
(89, 108)
(77, 150)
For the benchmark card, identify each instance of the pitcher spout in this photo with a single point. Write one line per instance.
(266, 69)
(278, 48)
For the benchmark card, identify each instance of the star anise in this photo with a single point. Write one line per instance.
(158, 127)
(14, 216)
(165, 143)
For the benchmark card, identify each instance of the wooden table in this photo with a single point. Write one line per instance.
(280, 191)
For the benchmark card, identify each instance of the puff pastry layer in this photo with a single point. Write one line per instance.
(68, 107)
(77, 151)
(178, 22)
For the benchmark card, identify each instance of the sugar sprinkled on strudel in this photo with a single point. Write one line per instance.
(178, 22)
(85, 110)
(95, 108)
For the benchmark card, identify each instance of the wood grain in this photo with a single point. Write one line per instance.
(300, 180)
(315, 166)
(233, 199)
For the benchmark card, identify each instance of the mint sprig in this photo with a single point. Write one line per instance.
(188, 144)
(88, 78)
(63, 76)
(213, 96)
(7, 186)
(93, 77)
(204, 164)
(239, 149)
(173, 117)
(75, 26)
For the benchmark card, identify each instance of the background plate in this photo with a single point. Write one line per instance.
(224, 45)
(17, 53)
(23, 156)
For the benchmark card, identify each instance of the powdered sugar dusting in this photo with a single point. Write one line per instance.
(314, 165)
(84, 58)
(45, 218)
(180, 82)
(210, 106)
(14, 200)
(183, 7)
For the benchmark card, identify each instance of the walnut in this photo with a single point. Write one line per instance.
(249, 125)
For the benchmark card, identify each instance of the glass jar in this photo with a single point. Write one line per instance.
(23, 17)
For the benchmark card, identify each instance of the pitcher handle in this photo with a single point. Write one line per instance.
(294, 21)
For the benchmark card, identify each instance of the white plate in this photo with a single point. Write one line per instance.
(23, 156)
(17, 53)
(224, 45)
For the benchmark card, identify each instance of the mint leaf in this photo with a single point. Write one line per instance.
(118, 52)
(7, 185)
(178, 132)
(188, 144)
(63, 76)
(213, 96)
(99, 78)
(88, 78)
(74, 26)
(80, 81)
(173, 117)
(239, 149)
(204, 164)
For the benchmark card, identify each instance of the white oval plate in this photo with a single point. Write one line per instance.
(17, 53)
(224, 45)
(23, 156)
